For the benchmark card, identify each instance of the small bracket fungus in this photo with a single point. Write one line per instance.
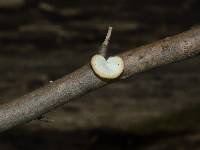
(107, 69)
(110, 68)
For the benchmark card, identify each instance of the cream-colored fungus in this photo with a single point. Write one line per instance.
(107, 69)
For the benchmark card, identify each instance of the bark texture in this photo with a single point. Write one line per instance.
(158, 109)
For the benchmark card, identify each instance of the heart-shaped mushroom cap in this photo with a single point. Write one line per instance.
(108, 69)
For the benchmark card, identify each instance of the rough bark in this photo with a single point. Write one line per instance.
(83, 80)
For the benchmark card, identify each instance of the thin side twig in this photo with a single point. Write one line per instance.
(83, 80)
(104, 45)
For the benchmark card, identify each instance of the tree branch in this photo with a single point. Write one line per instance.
(104, 45)
(83, 80)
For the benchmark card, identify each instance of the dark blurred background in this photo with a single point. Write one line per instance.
(43, 40)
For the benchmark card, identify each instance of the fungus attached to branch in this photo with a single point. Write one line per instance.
(107, 69)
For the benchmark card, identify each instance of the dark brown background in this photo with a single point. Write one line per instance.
(44, 40)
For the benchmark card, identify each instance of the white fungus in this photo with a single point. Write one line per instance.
(107, 69)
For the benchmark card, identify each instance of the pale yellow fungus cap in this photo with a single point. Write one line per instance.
(107, 69)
